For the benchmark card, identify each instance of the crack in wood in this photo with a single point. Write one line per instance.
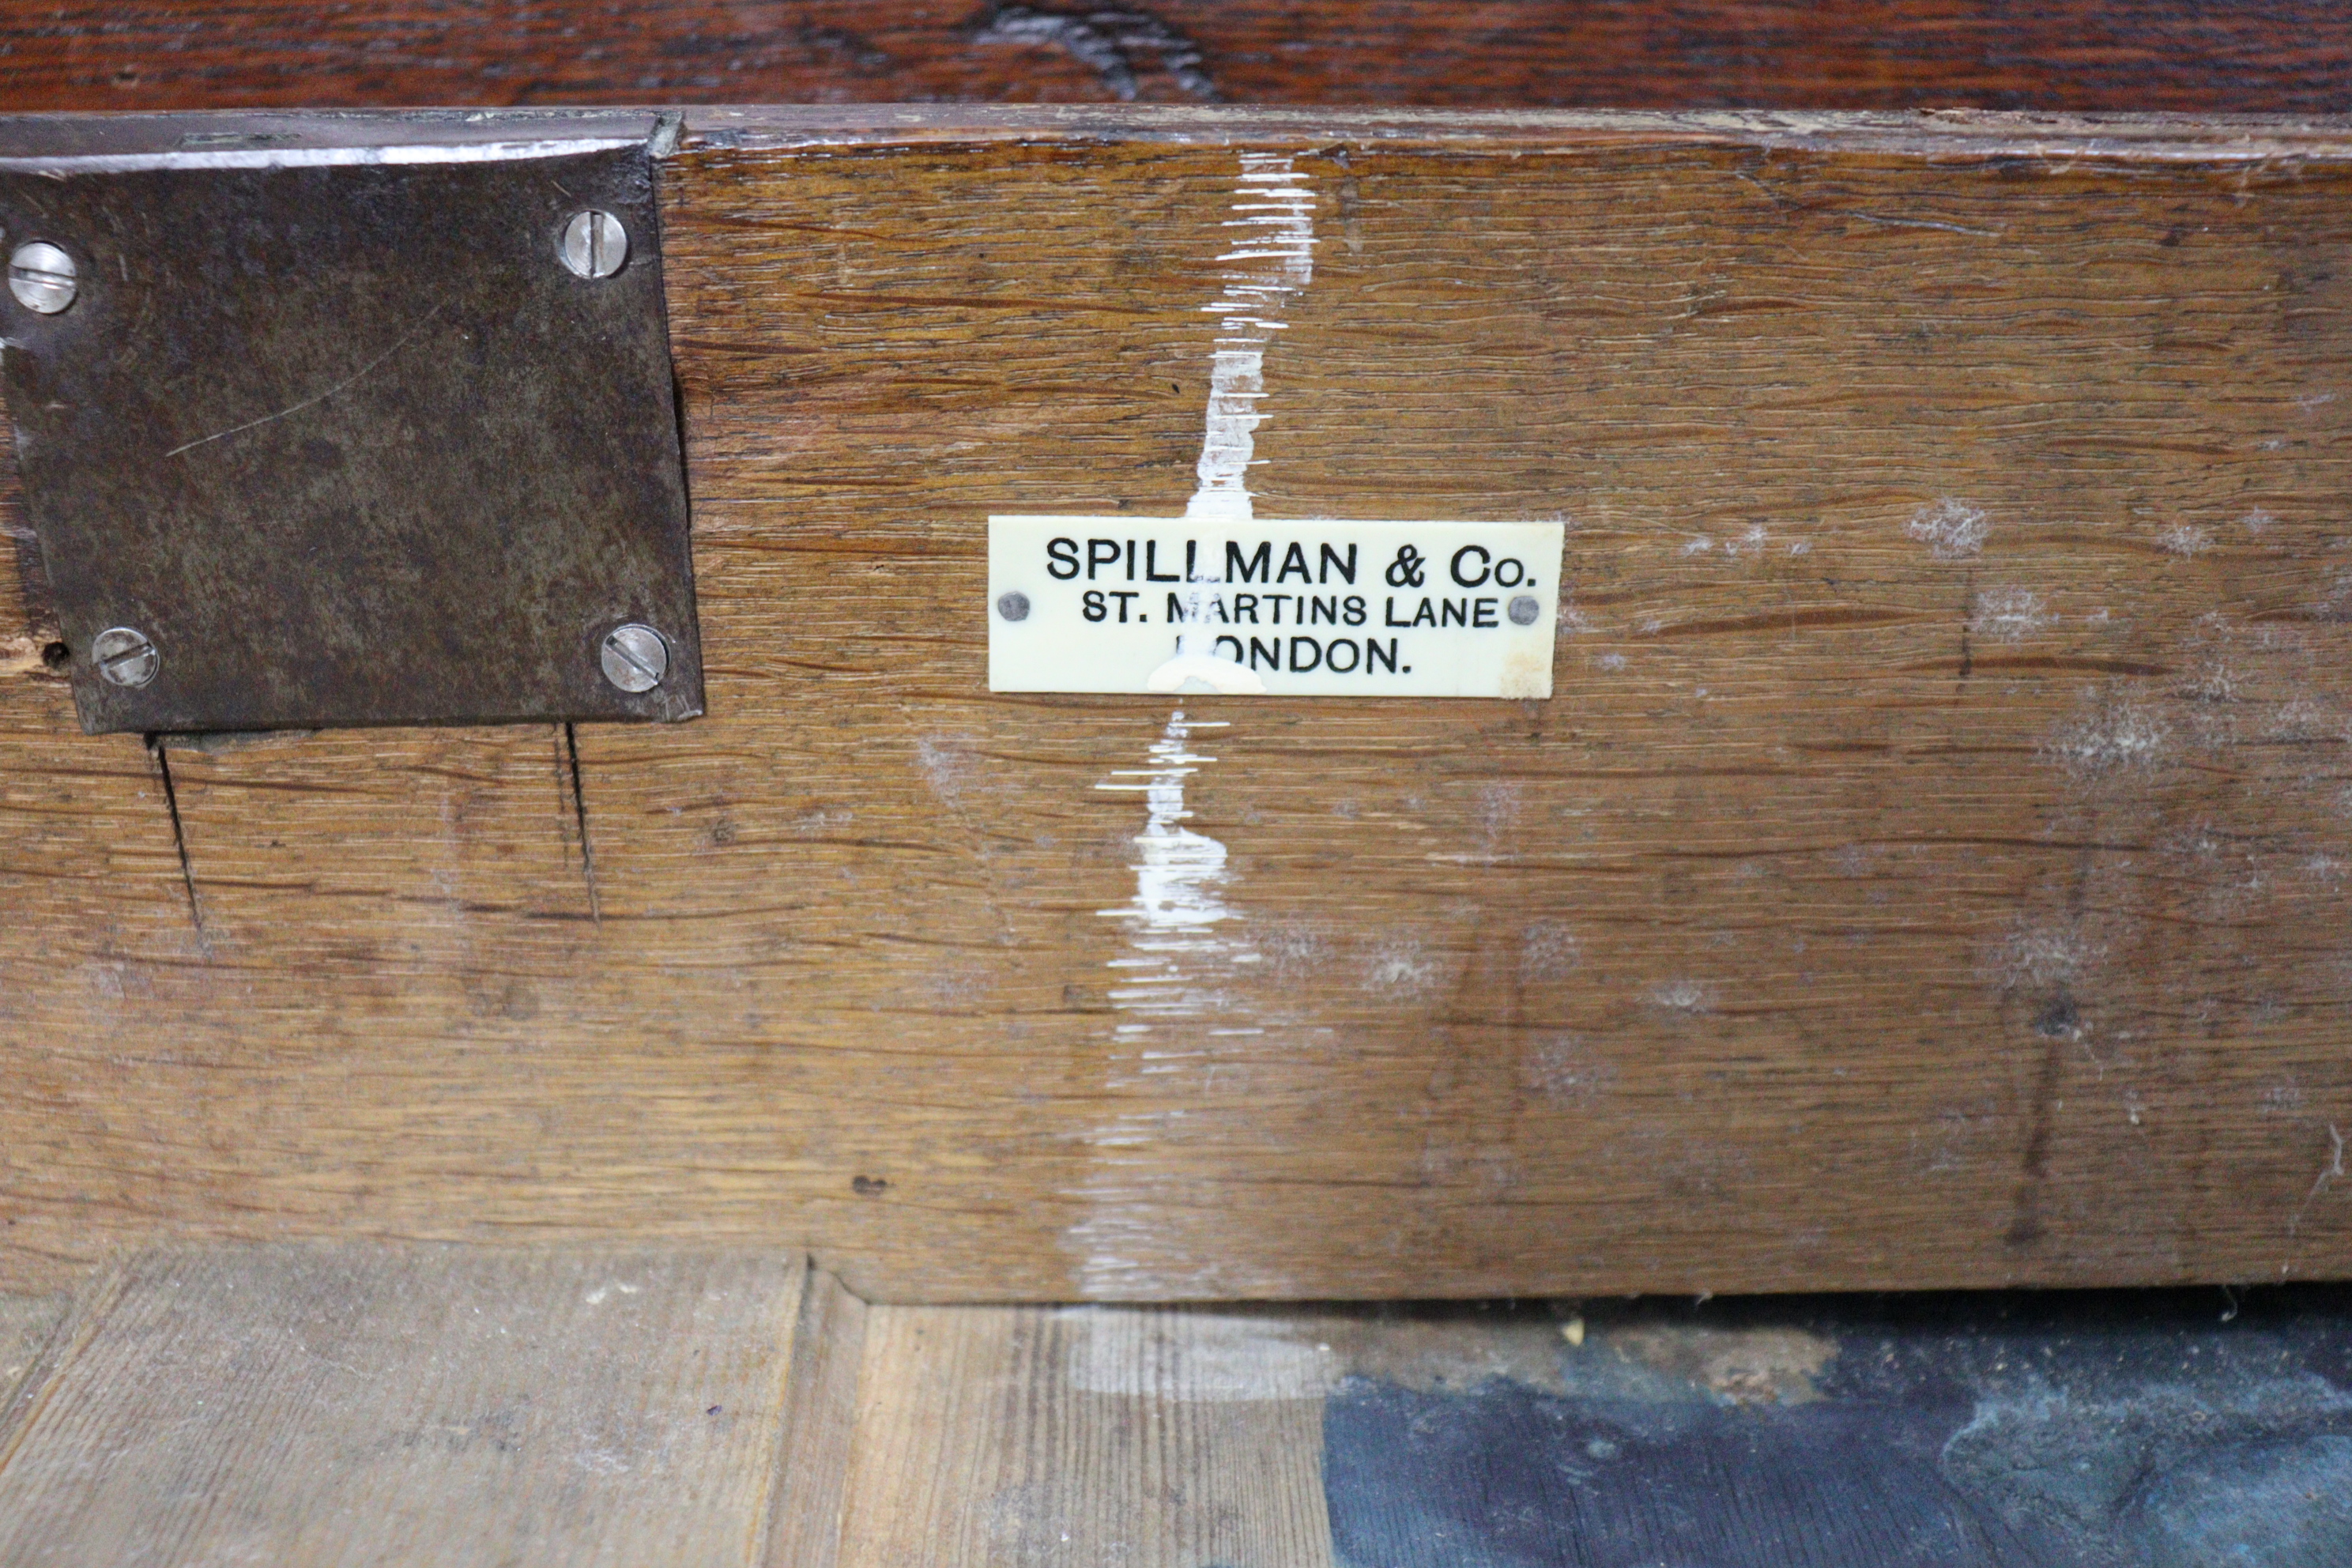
(580, 817)
(156, 749)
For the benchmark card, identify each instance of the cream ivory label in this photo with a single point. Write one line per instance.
(1292, 609)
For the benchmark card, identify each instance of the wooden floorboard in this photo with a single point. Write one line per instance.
(25, 1324)
(820, 1418)
(306, 1407)
(439, 1407)
(1969, 1432)
(32, 1330)
(1054, 1437)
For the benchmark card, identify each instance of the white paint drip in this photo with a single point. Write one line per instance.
(2184, 540)
(1182, 948)
(2010, 615)
(1950, 528)
(2114, 738)
(1277, 210)
(1176, 910)
(1176, 950)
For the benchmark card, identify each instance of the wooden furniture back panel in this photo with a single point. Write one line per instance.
(1931, 870)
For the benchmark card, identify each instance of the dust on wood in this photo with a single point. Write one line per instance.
(1067, 1438)
(399, 1403)
(820, 1418)
(29, 1329)
(403, 1404)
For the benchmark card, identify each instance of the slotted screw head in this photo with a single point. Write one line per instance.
(635, 657)
(43, 278)
(125, 655)
(594, 243)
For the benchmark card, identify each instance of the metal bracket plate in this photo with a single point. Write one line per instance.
(347, 440)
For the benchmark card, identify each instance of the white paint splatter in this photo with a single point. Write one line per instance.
(2299, 719)
(1499, 803)
(2119, 736)
(1400, 967)
(2010, 615)
(1176, 953)
(1297, 951)
(2041, 956)
(1182, 948)
(1683, 996)
(1177, 907)
(1562, 1067)
(1548, 950)
(1952, 529)
(1276, 209)
(2185, 541)
(945, 768)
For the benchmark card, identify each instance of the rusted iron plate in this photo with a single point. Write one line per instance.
(349, 442)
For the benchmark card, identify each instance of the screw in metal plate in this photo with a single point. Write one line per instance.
(1014, 606)
(125, 655)
(43, 278)
(635, 657)
(1524, 610)
(594, 243)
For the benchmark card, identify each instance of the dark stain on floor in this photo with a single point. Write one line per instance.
(2167, 1428)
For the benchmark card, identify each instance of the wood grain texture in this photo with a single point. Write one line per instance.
(1072, 1436)
(820, 1424)
(29, 1335)
(402, 1405)
(2130, 54)
(1931, 871)
(406, 1404)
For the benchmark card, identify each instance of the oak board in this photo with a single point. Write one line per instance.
(1931, 870)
